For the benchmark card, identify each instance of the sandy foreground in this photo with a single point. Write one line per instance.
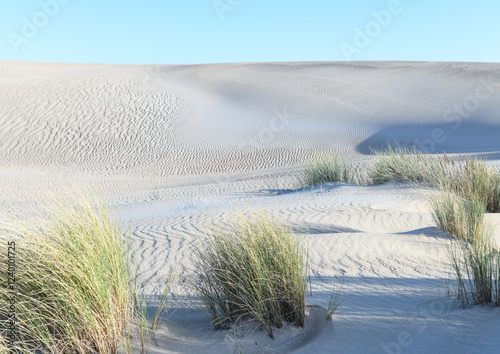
(177, 149)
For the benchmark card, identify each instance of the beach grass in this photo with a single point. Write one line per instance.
(399, 163)
(470, 191)
(334, 302)
(461, 216)
(477, 269)
(255, 268)
(476, 180)
(475, 261)
(467, 177)
(467, 189)
(323, 168)
(71, 292)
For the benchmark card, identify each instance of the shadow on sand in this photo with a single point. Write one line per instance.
(455, 137)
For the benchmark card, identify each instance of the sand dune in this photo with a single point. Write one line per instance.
(176, 149)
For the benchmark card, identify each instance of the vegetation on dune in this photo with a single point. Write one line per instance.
(76, 292)
(467, 190)
(72, 289)
(407, 165)
(72, 286)
(255, 268)
(459, 210)
(329, 169)
(477, 269)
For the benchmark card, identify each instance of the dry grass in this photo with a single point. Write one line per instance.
(255, 268)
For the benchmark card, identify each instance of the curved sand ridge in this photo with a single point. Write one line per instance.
(177, 149)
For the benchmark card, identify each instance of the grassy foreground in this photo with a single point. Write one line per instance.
(71, 290)
(255, 268)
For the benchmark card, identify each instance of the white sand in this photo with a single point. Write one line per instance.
(176, 149)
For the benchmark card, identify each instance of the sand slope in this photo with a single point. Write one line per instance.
(176, 149)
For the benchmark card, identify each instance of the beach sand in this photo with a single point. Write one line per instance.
(177, 149)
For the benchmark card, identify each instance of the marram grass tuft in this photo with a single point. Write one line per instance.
(256, 268)
(72, 280)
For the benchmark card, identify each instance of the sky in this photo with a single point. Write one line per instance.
(222, 31)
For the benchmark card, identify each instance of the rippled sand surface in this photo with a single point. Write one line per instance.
(177, 149)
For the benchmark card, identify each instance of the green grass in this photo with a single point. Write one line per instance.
(396, 163)
(255, 268)
(72, 288)
(477, 268)
(470, 191)
(328, 169)
(476, 180)
(336, 299)
(459, 209)
(465, 177)
(75, 291)
(408, 165)
(461, 216)
(467, 190)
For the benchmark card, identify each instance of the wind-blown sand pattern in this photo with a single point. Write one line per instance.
(177, 149)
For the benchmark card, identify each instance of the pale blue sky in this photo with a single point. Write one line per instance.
(194, 31)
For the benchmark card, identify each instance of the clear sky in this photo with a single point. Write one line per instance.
(208, 31)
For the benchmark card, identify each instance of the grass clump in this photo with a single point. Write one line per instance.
(327, 169)
(476, 181)
(336, 299)
(470, 192)
(72, 288)
(461, 216)
(468, 178)
(256, 268)
(477, 268)
(407, 165)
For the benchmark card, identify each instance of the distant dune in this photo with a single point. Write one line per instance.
(177, 120)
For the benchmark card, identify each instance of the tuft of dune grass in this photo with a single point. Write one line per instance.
(254, 268)
(477, 268)
(461, 216)
(72, 280)
(470, 191)
(404, 164)
(465, 177)
(466, 195)
(476, 180)
(328, 169)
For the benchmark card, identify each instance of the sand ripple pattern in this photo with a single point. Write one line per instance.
(177, 150)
